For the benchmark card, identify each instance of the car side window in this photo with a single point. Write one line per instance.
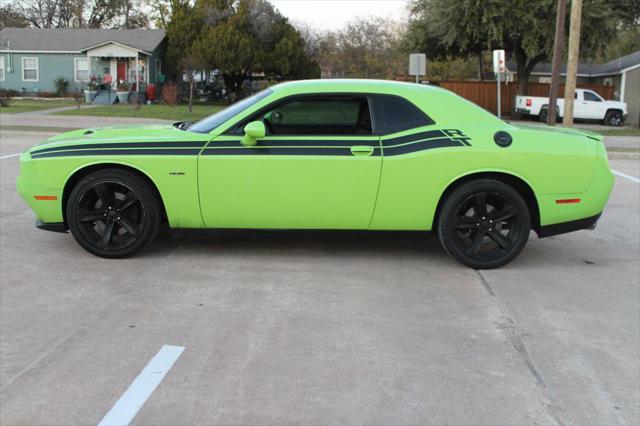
(315, 116)
(394, 114)
(590, 96)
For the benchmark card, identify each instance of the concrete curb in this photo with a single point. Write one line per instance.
(623, 155)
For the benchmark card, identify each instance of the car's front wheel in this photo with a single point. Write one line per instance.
(484, 224)
(613, 118)
(113, 213)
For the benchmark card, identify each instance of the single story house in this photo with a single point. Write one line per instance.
(622, 73)
(31, 59)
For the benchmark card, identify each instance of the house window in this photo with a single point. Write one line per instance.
(158, 68)
(81, 70)
(1, 68)
(29, 69)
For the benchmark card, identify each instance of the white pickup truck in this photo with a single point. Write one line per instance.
(588, 105)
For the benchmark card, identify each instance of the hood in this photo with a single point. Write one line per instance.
(559, 130)
(617, 104)
(89, 134)
(153, 133)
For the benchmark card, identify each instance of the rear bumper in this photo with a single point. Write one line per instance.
(563, 228)
(523, 111)
(53, 227)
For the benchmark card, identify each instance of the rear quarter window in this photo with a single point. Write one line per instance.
(395, 114)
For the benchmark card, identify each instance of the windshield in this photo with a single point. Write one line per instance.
(208, 124)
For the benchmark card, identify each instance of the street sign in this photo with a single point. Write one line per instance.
(499, 67)
(417, 65)
(499, 64)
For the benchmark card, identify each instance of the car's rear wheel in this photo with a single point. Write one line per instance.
(544, 115)
(613, 118)
(113, 213)
(484, 224)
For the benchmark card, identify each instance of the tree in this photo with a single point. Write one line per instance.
(429, 33)
(181, 34)
(366, 47)
(80, 13)
(10, 17)
(248, 36)
(523, 28)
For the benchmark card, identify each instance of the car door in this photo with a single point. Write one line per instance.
(587, 105)
(594, 105)
(318, 167)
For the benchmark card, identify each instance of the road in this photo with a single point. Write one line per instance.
(315, 330)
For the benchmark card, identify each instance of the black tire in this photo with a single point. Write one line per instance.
(113, 213)
(484, 234)
(544, 114)
(613, 118)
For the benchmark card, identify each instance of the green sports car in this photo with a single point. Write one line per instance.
(326, 155)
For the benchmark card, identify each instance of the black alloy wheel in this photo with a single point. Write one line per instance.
(484, 224)
(544, 115)
(113, 213)
(613, 118)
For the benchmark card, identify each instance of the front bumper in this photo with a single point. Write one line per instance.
(29, 186)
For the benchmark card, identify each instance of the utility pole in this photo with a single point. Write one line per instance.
(557, 60)
(572, 62)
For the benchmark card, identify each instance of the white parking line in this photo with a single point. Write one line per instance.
(10, 156)
(617, 173)
(142, 387)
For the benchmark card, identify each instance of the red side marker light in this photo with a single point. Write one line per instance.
(45, 197)
(528, 102)
(568, 201)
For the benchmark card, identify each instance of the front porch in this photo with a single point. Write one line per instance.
(116, 71)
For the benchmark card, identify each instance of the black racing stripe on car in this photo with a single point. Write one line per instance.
(83, 146)
(282, 151)
(296, 143)
(420, 146)
(413, 138)
(85, 152)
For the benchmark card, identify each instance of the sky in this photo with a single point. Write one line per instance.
(333, 14)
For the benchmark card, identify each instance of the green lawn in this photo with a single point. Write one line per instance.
(20, 105)
(159, 111)
(624, 131)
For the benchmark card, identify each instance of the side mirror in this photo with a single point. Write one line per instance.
(252, 132)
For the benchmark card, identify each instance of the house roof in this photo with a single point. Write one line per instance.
(76, 39)
(612, 67)
(609, 68)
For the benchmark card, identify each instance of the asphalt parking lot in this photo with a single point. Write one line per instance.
(319, 330)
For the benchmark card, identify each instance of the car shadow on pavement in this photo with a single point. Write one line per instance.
(251, 242)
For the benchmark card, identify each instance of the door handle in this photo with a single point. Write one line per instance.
(362, 150)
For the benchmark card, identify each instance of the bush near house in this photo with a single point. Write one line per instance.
(61, 84)
(6, 97)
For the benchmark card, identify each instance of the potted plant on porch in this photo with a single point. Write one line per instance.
(122, 90)
(92, 90)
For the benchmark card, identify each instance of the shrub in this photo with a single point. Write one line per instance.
(61, 85)
(6, 97)
(123, 86)
(170, 94)
(45, 94)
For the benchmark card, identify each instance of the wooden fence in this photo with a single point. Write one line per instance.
(484, 93)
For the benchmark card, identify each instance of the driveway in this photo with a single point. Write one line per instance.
(319, 330)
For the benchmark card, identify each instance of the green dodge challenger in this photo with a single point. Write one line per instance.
(333, 155)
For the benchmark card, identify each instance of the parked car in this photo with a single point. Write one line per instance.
(588, 105)
(327, 154)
